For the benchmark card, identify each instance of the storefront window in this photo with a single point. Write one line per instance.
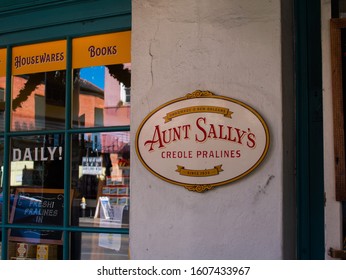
(29, 249)
(36, 192)
(37, 162)
(1, 186)
(2, 128)
(101, 179)
(68, 145)
(1, 176)
(103, 246)
(106, 90)
(38, 101)
(36, 178)
(39, 86)
(102, 79)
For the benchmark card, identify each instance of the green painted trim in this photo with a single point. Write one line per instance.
(68, 19)
(9, 6)
(61, 13)
(71, 131)
(67, 149)
(309, 125)
(77, 29)
(70, 228)
(5, 182)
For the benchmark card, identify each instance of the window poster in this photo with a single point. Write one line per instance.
(39, 207)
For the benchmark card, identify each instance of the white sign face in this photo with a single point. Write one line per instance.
(202, 140)
(92, 165)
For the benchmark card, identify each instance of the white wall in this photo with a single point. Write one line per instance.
(232, 48)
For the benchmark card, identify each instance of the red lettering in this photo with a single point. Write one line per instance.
(155, 140)
(212, 132)
(240, 135)
(201, 129)
(251, 143)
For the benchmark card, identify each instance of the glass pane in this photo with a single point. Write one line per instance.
(99, 246)
(1, 176)
(101, 96)
(36, 249)
(100, 179)
(38, 101)
(37, 180)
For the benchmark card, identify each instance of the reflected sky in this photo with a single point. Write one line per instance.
(95, 75)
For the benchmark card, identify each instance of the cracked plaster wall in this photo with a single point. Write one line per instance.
(232, 48)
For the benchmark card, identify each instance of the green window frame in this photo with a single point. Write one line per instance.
(43, 22)
(309, 125)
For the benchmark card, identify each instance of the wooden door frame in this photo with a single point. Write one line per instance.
(338, 107)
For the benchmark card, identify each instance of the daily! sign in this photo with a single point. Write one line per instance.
(202, 140)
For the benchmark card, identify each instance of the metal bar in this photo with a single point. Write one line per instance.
(302, 137)
(67, 150)
(70, 131)
(5, 183)
(69, 228)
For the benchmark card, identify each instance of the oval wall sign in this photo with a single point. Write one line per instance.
(202, 140)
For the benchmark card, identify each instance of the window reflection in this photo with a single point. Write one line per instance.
(36, 179)
(102, 96)
(100, 179)
(39, 250)
(36, 194)
(38, 101)
(100, 246)
(100, 162)
(1, 176)
(37, 161)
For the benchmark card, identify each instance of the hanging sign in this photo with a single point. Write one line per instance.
(202, 140)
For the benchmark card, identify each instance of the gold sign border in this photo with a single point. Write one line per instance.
(200, 188)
